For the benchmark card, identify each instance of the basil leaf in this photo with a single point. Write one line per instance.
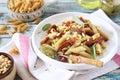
(93, 51)
(46, 26)
(78, 21)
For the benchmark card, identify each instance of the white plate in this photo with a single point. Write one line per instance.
(109, 52)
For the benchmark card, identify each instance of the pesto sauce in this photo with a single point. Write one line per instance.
(48, 51)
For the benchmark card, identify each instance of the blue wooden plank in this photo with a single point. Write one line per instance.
(3, 10)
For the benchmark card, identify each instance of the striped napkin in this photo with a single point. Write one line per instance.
(30, 67)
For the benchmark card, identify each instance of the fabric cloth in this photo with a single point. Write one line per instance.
(30, 67)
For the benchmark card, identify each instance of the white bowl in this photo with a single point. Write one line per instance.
(31, 15)
(109, 52)
(26, 16)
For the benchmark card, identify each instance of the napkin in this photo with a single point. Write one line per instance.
(30, 67)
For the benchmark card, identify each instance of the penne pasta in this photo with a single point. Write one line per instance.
(103, 34)
(14, 50)
(99, 49)
(25, 6)
(103, 44)
(77, 50)
(57, 44)
(70, 38)
(36, 6)
(96, 35)
(17, 26)
(3, 27)
(25, 27)
(10, 20)
(3, 32)
(17, 22)
(36, 21)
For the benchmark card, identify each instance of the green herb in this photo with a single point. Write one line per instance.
(46, 26)
(78, 21)
(93, 51)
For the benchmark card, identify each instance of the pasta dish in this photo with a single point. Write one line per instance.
(69, 39)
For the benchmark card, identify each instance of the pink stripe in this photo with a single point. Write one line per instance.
(24, 47)
(116, 59)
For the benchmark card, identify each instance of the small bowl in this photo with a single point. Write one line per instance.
(31, 15)
(10, 73)
(26, 16)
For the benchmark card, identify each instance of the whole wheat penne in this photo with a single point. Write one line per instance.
(3, 27)
(36, 6)
(10, 20)
(17, 22)
(17, 9)
(3, 32)
(41, 2)
(14, 50)
(11, 3)
(22, 8)
(21, 25)
(18, 29)
(24, 27)
(30, 10)
(26, 7)
(36, 21)
(18, 4)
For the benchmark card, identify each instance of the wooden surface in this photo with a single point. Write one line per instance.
(61, 6)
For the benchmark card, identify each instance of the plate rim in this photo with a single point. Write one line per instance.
(37, 27)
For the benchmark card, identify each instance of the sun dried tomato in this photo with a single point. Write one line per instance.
(45, 40)
(90, 32)
(51, 27)
(86, 25)
(91, 41)
(66, 43)
(81, 18)
(60, 34)
(63, 59)
(67, 23)
(78, 30)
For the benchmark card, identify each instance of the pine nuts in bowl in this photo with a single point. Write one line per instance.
(7, 67)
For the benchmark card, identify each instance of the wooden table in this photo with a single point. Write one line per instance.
(61, 6)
